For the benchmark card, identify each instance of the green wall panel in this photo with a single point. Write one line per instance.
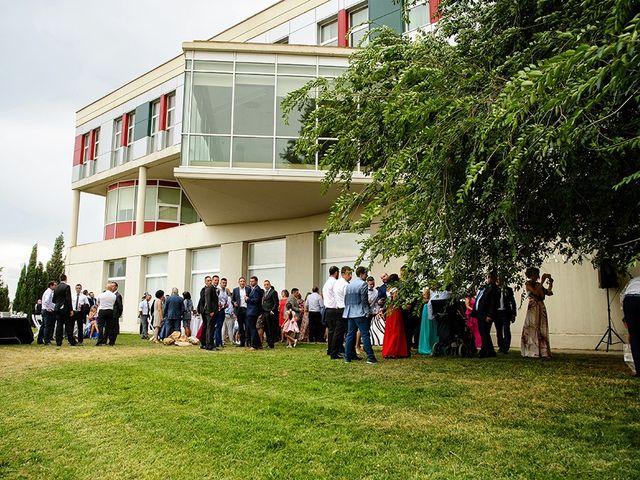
(386, 12)
(142, 126)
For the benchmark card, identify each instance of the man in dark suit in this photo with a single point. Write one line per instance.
(200, 307)
(173, 311)
(209, 313)
(63, 309)
(505, 316)
(270, 305)
(485, 311)
(240, 308)
(113, 327)
(254, 310)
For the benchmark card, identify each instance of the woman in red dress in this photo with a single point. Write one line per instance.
(284, 297)
(394, 343)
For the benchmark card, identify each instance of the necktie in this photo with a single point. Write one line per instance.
(77, 301)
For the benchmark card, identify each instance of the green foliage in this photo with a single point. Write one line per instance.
(55, 266)
(4, 294)
(518, 140)
(18, 300)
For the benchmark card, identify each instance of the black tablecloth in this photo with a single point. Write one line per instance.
(15, 330)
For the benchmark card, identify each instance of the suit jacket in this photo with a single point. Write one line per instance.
(62, 298)
(270, 301)
(117, 307)
(487, 302)
(200, 307)
(254, 303)
(509, 300)
(174, 307)
(235, 297)
(210, 300)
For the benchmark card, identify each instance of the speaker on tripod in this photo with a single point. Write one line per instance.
(608, 278)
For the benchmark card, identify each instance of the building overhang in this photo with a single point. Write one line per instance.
(226, 196)
(266, 48)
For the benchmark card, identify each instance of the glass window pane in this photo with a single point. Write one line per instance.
(253, 109)
(418, 16)
(209, 151)
(150, 202)
(328, 32)
(213, 66)
(357, 36)
(207, 259)
(168, 214)
(285, 68)
(126, 204)
(359, 17)
(197, 282)
(252, 152)
(328, 71)
(287, 85)
(112, 206)
(169, 196)
(274, 275)
(211, 103)
(340, 245)
(187, 212)
(118, 268)
(248, 67)
(287, 158)
(157, 264)
(267, 253)
(153, 284)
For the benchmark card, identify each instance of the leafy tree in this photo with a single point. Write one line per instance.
(518, 139)
(55, 266)
(18, 300)
(4, 294)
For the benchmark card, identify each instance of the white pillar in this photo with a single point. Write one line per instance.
(142, 193)
(75, 214)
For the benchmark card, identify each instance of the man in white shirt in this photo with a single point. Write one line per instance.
(631, 309)
(330, 307)
(48, 315)
(106, 302)
(340, 328)
(314, 307)
(80, 310)
(144, 312)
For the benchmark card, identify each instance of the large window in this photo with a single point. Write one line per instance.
(116, 148)
(205, 261)
(117, 272)
(329, 34)
(171, 118)
(156, 273)
(358, 20)
(267, 262)
(233, 115)
(131, 123)
(121, 204)
(338, 249)
(418, 15)
(154, 128)
(168, 204)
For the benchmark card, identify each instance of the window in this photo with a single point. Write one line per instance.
(329, 34)
(267, 262)
(171, 118)
(131, 123)
(96, 143)
(156, 273)
(358, 20)
(168, 204)
(126, 204)
(205, 261)
(86, 141)
(117, 272)
(418, 15)
(339, 249)
(112, 206)
(155, 126)
(117, 142)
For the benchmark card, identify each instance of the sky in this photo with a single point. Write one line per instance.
(58, 56)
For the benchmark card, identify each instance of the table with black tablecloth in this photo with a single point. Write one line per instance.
(15, 330)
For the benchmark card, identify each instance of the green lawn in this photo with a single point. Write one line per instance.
(148, 411)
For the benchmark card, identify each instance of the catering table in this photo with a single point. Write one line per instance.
(15, 330)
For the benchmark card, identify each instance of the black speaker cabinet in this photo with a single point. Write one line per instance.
(607, 275)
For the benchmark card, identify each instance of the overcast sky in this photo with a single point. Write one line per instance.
(58, 56)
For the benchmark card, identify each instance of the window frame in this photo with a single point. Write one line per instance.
(333, 41)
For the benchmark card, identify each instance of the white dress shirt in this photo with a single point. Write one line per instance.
(144, 307)
(632, 288)
(47, 300)
(78, 300)
(314, 302)
(338, 291)
(106, 300)
(241, 293)
(327, 293)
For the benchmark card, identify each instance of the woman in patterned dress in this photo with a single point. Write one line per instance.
(535, 333)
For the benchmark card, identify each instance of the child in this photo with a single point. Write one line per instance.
(291, 328)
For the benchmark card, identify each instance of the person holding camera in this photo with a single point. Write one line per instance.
(535, 332)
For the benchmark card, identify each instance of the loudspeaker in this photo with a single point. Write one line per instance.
(607, 275)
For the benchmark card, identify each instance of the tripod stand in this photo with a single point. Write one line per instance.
(607, 337)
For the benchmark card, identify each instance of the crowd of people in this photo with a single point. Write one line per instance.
(350, 314)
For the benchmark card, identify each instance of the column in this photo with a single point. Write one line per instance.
(75, 214)
(302, 261)
(142, 193)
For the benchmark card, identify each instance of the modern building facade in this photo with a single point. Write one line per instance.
(199, 174)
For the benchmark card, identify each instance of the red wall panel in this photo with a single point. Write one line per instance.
(92, 143)
(163, 113)
(77, 150)
(125, 130)
(110, 231)
(124, 229)
(343, 28)
(433, 10)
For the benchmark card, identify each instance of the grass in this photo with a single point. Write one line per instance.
(148, 411)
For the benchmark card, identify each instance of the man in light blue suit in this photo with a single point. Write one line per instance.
(357, 311)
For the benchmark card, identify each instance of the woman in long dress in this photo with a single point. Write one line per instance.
(535, 333)
(428, 327)
(395, 340)
(471, 321)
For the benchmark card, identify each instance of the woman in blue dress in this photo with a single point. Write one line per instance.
(428, 331)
